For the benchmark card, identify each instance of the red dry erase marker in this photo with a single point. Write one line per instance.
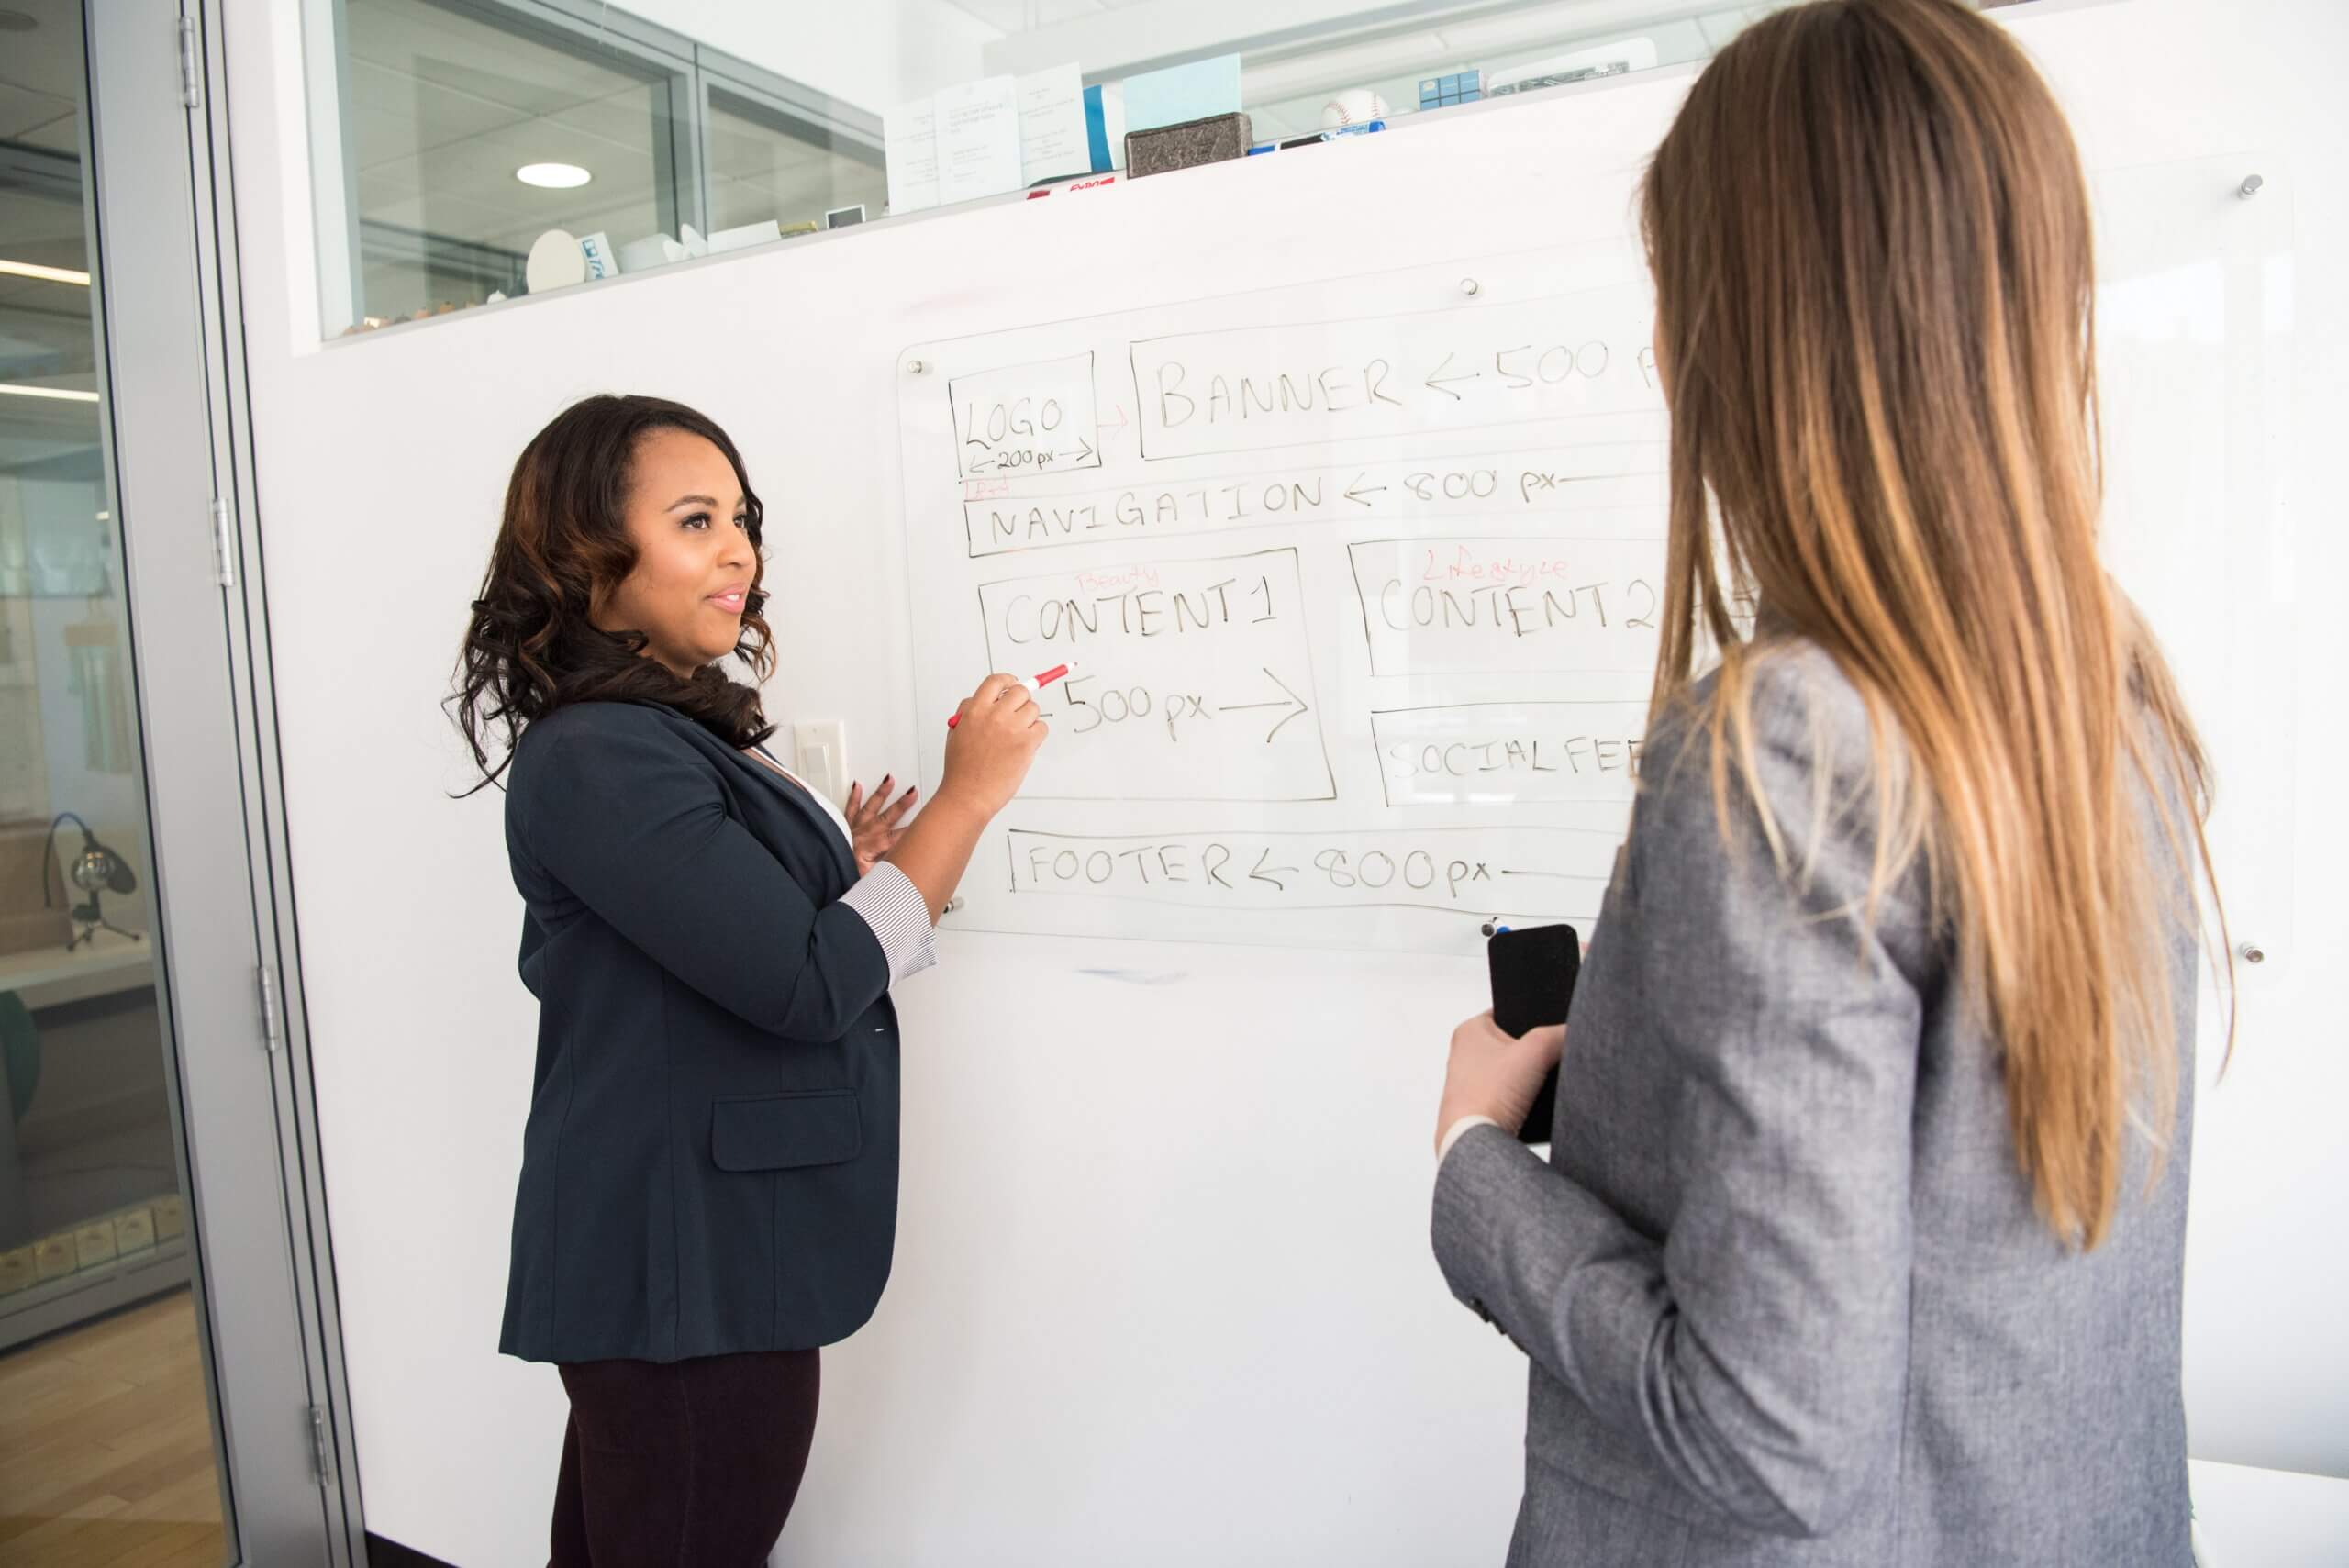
(1038, 683)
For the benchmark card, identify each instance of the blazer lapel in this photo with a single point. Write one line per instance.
(819, 820)
(811, 816)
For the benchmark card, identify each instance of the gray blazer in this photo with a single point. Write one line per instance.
(1783, 1292)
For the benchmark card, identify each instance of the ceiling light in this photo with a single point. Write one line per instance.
(47, 274)
(552, 176)
(65, 393)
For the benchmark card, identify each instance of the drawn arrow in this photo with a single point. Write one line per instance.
(1437, 380)
(1355, 492)
(1084, 453)
(1119, 422)
(1295, 704)
(1258, 874)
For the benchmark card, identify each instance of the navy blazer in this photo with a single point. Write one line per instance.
(710, 1162)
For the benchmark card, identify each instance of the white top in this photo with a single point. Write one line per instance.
(885, 897)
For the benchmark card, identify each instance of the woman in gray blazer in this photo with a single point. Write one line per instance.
(709, 1170)
(1860, 1238)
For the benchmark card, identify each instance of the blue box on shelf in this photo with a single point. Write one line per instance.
(1442, 91)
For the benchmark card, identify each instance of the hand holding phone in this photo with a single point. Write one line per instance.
(1534, 975)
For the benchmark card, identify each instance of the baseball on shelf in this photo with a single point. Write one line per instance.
(1355, 105)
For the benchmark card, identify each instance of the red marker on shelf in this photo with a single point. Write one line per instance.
(1036, 685)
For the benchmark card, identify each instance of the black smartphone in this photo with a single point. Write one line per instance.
(1533, 984)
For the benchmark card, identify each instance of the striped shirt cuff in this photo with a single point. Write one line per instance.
(887, 900)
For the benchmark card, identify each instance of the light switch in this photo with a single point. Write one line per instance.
(819, 750)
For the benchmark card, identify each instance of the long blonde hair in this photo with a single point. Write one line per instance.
(1874, 288)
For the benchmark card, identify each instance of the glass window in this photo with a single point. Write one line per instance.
(767, 164)
(94, 1218)
(734, 114)
(445, 110)
(1401, 68)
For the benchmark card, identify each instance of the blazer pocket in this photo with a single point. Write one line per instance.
(778, 1132)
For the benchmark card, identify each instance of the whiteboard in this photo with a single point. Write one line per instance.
(1232, 1261)
(1361, 581)
(2194, 335)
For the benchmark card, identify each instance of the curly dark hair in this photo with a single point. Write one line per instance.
(563, 545)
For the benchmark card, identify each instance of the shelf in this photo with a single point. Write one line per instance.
(104, 966)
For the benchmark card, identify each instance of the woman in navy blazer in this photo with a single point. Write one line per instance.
(709, 1168)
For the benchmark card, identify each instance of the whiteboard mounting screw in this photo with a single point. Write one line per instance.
(2252, 953)
(1471, 287)
(2250, 186)
(917, 367)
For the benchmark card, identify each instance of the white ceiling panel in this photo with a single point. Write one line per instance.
(62, 134)
(396, 114)
(50, 329)
(24, 109)
(622, 122)
(49, 58)
(1019, 16)
(41, 230)
(471, 57)
(741, 149)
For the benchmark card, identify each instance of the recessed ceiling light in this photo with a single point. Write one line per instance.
(552, 176)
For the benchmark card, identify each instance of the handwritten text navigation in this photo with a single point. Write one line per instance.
(1605, 487)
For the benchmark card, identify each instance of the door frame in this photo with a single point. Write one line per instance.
(176, 433)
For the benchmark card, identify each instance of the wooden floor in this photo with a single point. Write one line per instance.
(105, 1447)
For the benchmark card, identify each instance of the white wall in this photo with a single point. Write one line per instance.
(1162, 1292)
(875, 53)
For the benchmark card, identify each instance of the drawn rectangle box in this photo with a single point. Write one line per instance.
(1517, 753)
(1195, 679)
(1041, 418)
(1461, 607)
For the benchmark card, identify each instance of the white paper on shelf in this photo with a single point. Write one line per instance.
(1053, 142)
(978, 138)
(910, 143)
